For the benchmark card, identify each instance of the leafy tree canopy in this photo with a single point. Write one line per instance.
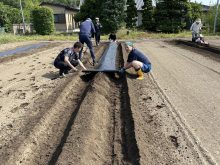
(131, 13)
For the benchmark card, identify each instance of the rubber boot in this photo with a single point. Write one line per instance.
(140, 74)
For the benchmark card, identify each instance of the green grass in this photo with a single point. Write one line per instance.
(135, 34)
(9, 38)
(121, 35)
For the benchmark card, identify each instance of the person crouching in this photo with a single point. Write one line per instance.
(68, 59)
(137, 60)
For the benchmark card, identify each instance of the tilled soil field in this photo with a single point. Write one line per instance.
(87, 118)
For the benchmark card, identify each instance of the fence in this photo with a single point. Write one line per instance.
(18, 28)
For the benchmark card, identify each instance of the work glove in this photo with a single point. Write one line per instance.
(121, 71)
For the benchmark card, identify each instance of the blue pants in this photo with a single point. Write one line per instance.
(86, 39)
(146, 68)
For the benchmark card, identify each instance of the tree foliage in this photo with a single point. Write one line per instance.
(64, 2)
(8, 16)
(131, 14)
(27, 6)
(196, 11)
(110, 12)
(148, 16)
(208, 19)
(171, 15)
(112, 15)
(89, 9)
(43, 20)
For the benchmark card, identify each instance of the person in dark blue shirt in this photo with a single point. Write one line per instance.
(86, 30)
(68, 59)
(137, 60)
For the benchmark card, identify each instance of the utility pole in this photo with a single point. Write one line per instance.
(216, 16)
(22, 14)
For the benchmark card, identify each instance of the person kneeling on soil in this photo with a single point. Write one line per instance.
(137, 60)
(68, 59)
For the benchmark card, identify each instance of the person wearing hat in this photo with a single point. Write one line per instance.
(98, 27)
(68, 59)
(196, 28)
(136, 60)
(86, 30)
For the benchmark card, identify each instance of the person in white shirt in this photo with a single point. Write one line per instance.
(196, 28)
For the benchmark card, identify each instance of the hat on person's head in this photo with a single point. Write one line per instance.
(201, 35)
(96, 18)
(198, 20)
(129, 43)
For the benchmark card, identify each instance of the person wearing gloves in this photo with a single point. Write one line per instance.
(136, 60)
(86, 30)
(196, 28)
(68, 59)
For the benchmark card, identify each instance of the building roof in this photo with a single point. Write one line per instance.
(205, 8)
(73, 8)
(139, 4)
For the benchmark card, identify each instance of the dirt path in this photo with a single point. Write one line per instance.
(96, 119)
(27, 92)
(190, 80)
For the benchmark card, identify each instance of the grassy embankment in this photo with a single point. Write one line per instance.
(121, 35)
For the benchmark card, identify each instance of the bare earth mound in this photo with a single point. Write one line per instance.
(88, 118)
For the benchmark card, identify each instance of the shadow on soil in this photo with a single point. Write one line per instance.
(129, 144)
(66, 132)
(51, 75)
(207, 50)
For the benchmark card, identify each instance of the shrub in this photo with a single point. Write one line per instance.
(43, 20)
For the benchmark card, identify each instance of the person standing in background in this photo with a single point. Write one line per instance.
(86, 30)
(98, 27)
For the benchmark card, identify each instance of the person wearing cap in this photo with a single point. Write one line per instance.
(196, 27)
(136, 60)
(86, 30)
(68, 59)
(98, 27)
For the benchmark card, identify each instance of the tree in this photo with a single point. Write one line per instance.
(170, 15)
(209, 18)
(196, 10)
(64, 2)
(112, 15)
(131, 14)
(27, 5)
(110, 12)
(89, 9)
(8, 16)
(148, 17)
(43, 20)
